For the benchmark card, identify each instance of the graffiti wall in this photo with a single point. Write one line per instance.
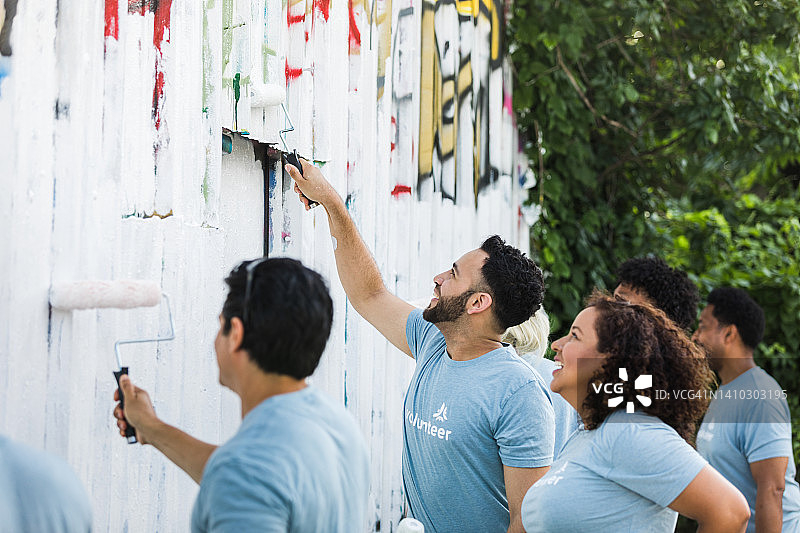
(140, 139)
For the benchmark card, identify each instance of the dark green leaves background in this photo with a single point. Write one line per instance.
(666, 128)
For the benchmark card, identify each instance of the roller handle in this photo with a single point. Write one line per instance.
(130, 431)
(294, 160)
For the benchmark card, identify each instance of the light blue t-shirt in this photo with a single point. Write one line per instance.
(567, 419)
(297, 464)
(747, 421)
(40, 492)
(464, 420)
(619, 477)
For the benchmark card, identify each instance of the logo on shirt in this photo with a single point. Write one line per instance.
(706, 431)
(553, 476)
(429, 427)
(645, 381)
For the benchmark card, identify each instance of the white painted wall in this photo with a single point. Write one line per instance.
(107, 173)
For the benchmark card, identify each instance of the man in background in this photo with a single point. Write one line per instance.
(746, 433)
(651, 280)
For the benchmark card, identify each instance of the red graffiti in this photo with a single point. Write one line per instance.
(112, 19)
(161, 22)
(160, 35)
(400, 190)
(294, 19)
(161, 10)
(355, 35)
(394, 132)
(292, 73)
(324, 7)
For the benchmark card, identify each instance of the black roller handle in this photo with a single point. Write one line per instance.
(130, 431)
(293, 159)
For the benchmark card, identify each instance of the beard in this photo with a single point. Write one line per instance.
(447, 309)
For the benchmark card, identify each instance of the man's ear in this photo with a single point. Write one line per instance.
(236, 334)
(730, 334)
(478, 302)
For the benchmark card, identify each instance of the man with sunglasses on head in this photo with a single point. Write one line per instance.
(478, 424)
(298, 462)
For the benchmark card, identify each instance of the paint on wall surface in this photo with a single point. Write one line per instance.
(461, 44)
(405, 75)
(161, 10)
(7, 13)
(112, 19)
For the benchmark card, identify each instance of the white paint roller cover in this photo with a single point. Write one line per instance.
(266, 95)
(123, 294)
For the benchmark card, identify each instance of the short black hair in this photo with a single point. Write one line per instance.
(735, 306)
(514, 281)
(668, 288)
(289, 315)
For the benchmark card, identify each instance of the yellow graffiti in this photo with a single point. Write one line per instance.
(441, 96)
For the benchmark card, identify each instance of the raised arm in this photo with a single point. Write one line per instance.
(357, 269)
(716, 505)
(187, 452)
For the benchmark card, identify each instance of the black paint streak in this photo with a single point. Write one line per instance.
(268, 156)
(5, 32)
(61, 109)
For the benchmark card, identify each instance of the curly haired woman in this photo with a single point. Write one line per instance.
(631, 470)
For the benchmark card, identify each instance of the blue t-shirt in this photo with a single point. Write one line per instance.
(567, 418)
(297, 464)
(464, 420)
(747, 421)
(619, 477)
(40, 492)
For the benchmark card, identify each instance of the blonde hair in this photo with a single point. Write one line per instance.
(530, 337)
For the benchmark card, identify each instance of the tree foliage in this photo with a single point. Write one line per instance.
(670, 128)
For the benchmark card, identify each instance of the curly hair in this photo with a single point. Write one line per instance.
(670, 289)
(735, 306)
(641, 339)
(514, 281)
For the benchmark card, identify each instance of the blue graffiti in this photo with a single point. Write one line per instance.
(5, 70)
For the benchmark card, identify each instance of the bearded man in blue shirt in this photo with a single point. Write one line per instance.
(478, 422)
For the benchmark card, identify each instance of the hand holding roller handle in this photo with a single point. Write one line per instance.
(130, 431)
(134, 409)
(293, 159)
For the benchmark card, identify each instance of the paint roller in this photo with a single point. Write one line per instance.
(120, 294)
(268, 95)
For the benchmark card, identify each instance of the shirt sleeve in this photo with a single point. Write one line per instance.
(420, 332)
(525, 430)
(649, 459)
(232, 500)
(768, 432)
